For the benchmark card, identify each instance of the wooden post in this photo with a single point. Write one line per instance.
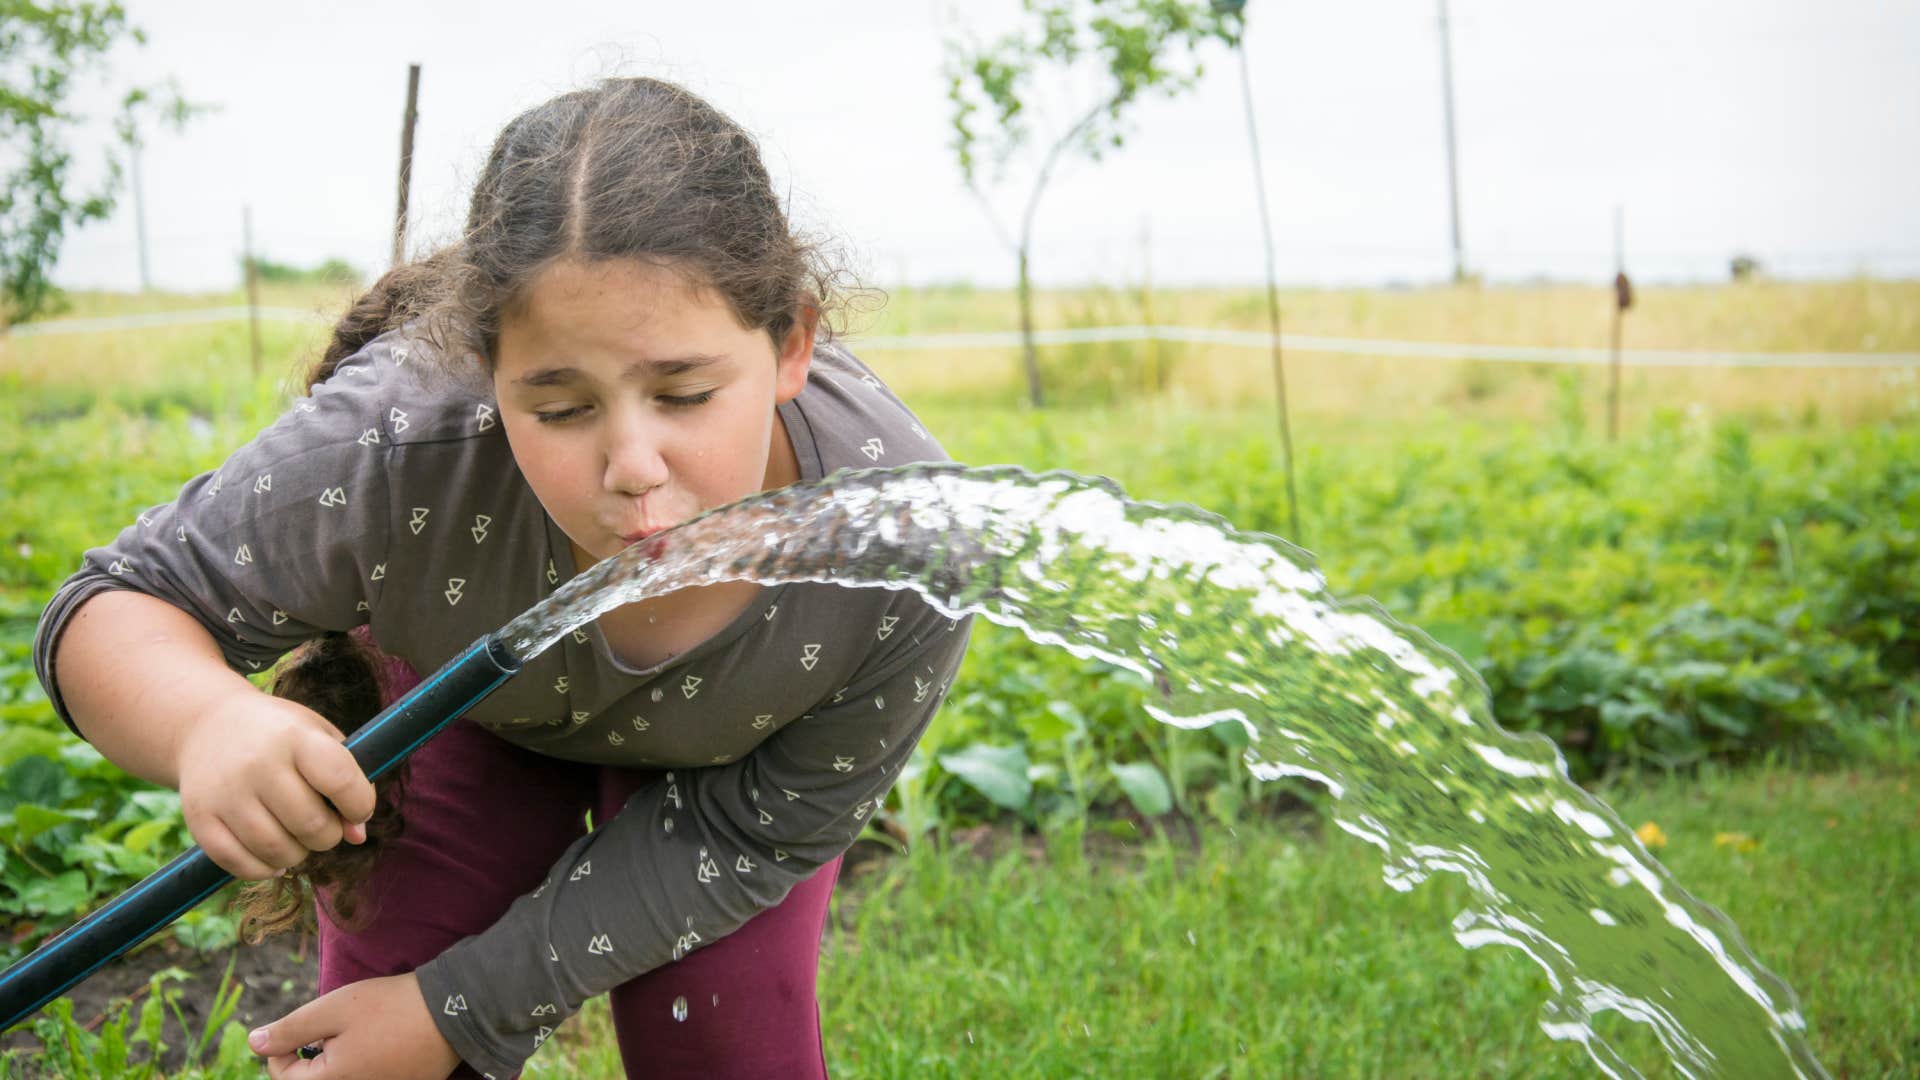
(406, 163)
(253, 284)
(1622, 300)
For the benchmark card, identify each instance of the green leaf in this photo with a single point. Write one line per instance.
(35, 779)
(141, 837)
(998, 772)
(30, 820)
(60, 895)
(1061, 720)
(1146, 788)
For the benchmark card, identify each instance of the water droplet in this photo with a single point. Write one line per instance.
(716, 1001)
(680, 1009)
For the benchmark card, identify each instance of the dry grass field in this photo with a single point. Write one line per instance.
(1330, 393)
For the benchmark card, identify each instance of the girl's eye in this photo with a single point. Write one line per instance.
(559, 416)
(688, 401)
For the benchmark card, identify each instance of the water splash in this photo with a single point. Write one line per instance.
(1239, 627)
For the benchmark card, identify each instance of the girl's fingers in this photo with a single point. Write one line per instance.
(229, 854)
(267, 840)
(330, 769)
(302, 813)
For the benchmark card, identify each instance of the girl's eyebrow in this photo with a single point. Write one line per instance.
(639, 369)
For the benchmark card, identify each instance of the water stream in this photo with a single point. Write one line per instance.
(1239, 627)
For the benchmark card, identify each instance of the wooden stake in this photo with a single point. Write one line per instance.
(1622, 300)
(253, 284)
(406, 163)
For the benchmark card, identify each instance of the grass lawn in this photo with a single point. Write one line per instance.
(1278, 952)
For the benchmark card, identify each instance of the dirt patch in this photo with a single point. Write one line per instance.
(276, 977)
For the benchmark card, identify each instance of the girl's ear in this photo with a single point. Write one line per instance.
(796, 356)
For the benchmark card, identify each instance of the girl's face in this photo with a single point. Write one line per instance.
(634, 400)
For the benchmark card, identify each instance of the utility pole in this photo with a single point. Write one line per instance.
(139, 212)
(1453, 165)
(406, 163)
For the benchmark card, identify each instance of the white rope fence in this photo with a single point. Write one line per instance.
(1299, 343)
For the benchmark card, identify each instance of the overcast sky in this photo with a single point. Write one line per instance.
(1788, 130)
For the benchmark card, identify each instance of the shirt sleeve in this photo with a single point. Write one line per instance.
(693, 856)
(279, 544)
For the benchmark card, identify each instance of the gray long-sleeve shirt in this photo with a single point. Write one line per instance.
(390, 497)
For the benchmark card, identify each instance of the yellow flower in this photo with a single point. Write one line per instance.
(1651, 835)
(1738, 841)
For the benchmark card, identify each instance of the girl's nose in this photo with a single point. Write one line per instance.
(634, 462)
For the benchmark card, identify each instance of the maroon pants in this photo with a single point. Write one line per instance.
(485, 821)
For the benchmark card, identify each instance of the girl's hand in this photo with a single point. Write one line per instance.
(255, 774)
(376, 1028)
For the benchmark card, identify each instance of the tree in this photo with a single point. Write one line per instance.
(1125, 49)
(44, 47)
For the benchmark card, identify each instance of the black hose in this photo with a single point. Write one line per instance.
(173, 890)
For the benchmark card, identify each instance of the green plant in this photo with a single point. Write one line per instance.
(72, 1052)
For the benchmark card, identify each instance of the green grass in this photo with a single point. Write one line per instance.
(1279, 952)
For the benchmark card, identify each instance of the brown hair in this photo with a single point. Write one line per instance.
(338, 676)
(627, 169)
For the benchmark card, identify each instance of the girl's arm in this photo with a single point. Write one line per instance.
(146, 685)
(698, 852)
(137, 673)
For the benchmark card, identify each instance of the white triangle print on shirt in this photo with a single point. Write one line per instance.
(691, 686)
(484, 415)
(379, 572)
(873, 449)
(456, 1003)
(809, 656)
(370, 438)
(419, 520)
(920, 688)
(479, 530)
(761, 721)
(708, 869)
(842, 763)
(887, 623)
(553, 575)
(454, 585)
(744, 865)
(599, 945)
(264, 482)
(545, 1010)
(334, 496)
(585, 869)
(398, 419)
(119, 566)
(279, 616)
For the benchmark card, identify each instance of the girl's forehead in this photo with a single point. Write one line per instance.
(616, 309)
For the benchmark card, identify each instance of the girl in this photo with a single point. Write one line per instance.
(627, 334)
